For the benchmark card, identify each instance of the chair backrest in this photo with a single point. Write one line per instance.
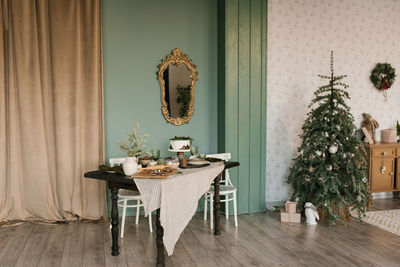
(226, 157)
(116, 161)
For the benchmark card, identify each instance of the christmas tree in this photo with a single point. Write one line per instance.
(330, 169)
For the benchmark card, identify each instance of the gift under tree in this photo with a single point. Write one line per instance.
(330, 169)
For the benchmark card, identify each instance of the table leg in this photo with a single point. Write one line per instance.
(217, 206)
(159, 241)
(114, 220)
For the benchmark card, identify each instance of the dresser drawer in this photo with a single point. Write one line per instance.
(382, 174)
(383, 152)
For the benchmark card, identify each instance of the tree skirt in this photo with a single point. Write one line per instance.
(388, 220)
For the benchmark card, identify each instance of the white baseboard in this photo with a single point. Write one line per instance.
(274, 205)
(382, 195)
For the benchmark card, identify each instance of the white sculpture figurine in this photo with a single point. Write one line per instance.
(311, 214)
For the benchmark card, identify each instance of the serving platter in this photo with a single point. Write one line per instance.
(153, 172)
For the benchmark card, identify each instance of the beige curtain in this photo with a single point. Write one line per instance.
(51, 110)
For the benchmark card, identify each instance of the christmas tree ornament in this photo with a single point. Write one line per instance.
(333, 149)
(335, 182)
(383, 76)
(335, 166)
(364, 180)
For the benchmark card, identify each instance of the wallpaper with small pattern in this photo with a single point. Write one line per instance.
(301, 34)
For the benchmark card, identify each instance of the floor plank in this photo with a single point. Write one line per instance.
(15, 245)
(94, 245)
(54, 248)
(5, 235)
(74, 245)
(132, 245)
(260, 240)
(32, 252)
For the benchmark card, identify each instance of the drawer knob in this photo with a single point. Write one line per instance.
(391, 173)
(384, 153)
(383, 169)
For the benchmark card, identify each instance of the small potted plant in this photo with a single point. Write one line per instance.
(134, 146)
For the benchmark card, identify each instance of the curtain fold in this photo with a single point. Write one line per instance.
(51, 110)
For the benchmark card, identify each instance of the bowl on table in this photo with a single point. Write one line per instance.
(144, 161)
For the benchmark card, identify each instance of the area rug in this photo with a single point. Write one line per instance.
(388, 220)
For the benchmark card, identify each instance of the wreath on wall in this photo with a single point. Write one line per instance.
(383, 76)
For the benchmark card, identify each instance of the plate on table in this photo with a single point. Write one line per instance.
(189, 166)
(198, 162)
(155, 172)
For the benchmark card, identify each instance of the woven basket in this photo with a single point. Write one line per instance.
(389, 136)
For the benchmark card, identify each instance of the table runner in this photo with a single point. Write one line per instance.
(177, 197)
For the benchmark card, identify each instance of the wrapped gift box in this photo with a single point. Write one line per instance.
(290, 217)
(291, 206)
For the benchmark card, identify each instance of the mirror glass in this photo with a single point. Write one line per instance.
(177, 76)
(178, 94)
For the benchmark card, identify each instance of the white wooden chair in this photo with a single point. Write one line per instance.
(128, 195)
(226, 189)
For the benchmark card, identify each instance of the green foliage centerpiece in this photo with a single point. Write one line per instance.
(135, 144)
(330, 169)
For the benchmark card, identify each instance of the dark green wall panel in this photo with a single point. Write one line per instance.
(244, 92)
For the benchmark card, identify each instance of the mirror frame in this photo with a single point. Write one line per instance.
(176, 58)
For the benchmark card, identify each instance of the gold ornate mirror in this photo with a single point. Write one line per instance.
(177, 76)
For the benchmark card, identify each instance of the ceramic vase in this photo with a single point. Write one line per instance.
(130, 166)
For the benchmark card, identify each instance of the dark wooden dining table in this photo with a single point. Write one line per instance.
(117, 181)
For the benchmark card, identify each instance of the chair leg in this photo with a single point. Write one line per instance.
(227, 206)
(123, 218)
(211, 211)
(205, 206)
(235, 209)
(150, 223)
(137, 211)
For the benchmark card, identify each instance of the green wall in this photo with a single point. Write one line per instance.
(230, 93)
(242, 114)
(137, 34)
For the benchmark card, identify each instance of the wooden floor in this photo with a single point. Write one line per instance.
(260, 240)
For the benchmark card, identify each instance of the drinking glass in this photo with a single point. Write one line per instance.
(193, 150)
(155, 153)
(161, 162)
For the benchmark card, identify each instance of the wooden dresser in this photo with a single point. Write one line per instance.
(384, 167)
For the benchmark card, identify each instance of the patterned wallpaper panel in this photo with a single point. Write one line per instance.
(301, 34)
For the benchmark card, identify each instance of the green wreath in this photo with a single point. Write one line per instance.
(382, 76)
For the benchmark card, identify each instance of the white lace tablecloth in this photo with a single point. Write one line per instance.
(177, 197)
